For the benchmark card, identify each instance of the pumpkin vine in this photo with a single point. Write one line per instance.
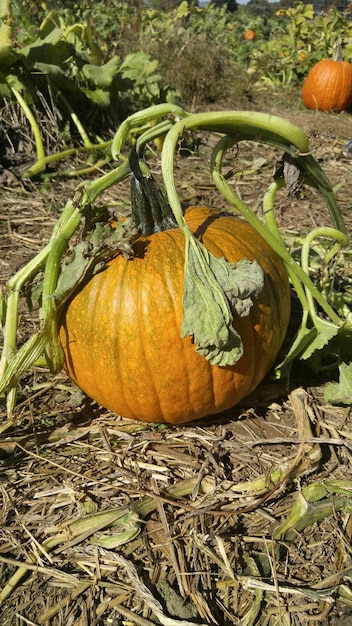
(207, 288)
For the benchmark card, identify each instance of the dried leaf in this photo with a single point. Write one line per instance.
(214, 292)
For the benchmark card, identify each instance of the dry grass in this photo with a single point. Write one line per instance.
(242, 520)
(208, 508)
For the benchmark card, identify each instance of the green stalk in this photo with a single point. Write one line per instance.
(202, 270)
(152, 133)
(307, 293)
(41, 164)
(278, 132)
(141, 118)
(33, 123)
(312, 505)
(91, 191)
(273, 238)
(271, 223)
(258, 126)
(13, 364)
(77, 122)
(49, 310)
(16, 283)
(80, 171)
(317, 178)
(324, 231)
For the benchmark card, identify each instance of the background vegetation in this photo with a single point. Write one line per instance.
(71, 72)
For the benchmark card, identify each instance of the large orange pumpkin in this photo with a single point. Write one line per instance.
(328, 86)
(121, 331)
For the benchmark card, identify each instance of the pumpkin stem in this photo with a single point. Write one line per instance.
(337, 52)
(151, 212)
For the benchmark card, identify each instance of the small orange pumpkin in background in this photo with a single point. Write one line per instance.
(302, 56)
(328, 86)
(249, 35)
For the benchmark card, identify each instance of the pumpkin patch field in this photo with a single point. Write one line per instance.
(176, 326)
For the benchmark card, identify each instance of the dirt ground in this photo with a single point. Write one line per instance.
(241, 519)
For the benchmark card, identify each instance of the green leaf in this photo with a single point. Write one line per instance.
(341, 392)
(73, 271)
(5, 91)
(304, 337)
(38, 50)
(5, 8)
(239, 281)
(101, 97)
(60, 82)
(90, 255)
(324, 335)
(14, 83)
(228, 354)
(215, 291)
(102, 75)
(308, 11)
(182, 10)
(138, 66)
(49, 69)
(50, 22)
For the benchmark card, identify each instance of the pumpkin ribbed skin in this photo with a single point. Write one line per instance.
(121, 332)
(328, 86)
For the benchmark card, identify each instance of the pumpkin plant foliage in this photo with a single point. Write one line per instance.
(175, 314)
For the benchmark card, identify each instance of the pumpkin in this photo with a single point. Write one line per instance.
(328, 86)
(121, 336)
(249, 35)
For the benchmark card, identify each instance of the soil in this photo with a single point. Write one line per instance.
(241, 519)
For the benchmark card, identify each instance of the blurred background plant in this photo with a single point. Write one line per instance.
(71, 72)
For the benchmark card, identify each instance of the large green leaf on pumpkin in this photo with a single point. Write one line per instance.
(214, 292)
